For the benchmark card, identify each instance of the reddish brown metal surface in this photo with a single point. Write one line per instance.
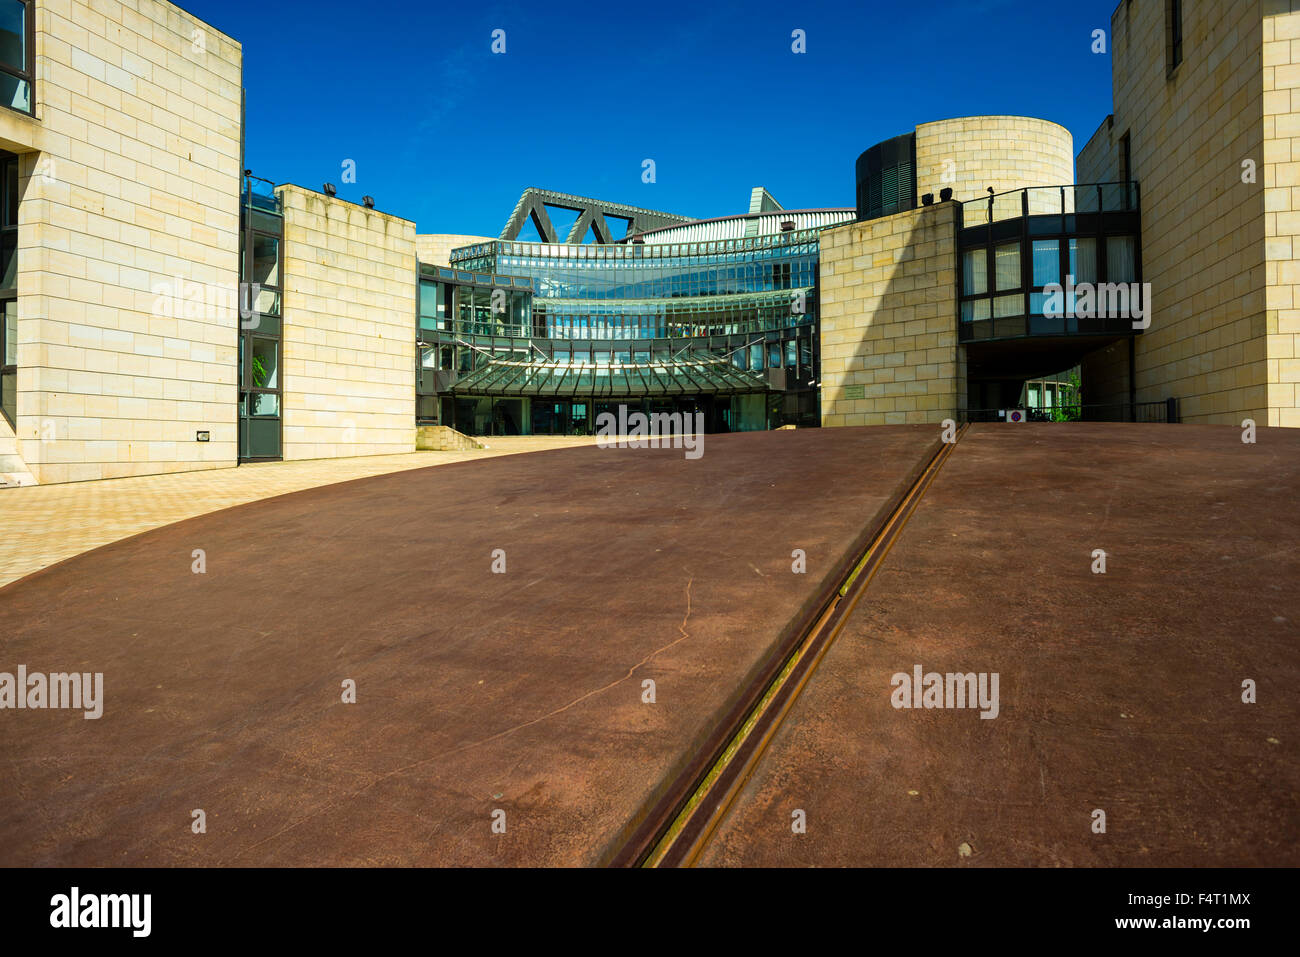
(1119, 692)
(475, 691)
(738, 752)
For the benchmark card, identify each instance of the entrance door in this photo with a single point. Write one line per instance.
(578, 424)
(508, 417)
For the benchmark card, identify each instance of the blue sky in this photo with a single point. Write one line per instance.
(448, 134)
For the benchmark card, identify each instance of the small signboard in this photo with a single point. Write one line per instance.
(855, 392)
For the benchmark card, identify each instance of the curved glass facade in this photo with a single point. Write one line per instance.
(652, 271)
(638, 308)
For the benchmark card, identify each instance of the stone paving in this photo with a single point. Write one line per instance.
(46, 524)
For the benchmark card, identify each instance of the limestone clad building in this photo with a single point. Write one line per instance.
(165, 311)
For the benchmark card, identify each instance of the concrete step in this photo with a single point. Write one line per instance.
(442, 438)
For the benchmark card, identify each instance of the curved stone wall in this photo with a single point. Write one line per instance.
(972, 153)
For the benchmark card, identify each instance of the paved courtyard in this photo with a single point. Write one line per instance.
(1119, 692)
(543, 642)
(478, 690)
(45, 524)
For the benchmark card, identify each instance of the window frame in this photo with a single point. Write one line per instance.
(1173, 37)
(9, 363)
(28, 74)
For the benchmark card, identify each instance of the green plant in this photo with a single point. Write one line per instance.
(260, 373)
(1068, 407)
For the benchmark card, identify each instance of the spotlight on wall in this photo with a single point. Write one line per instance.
(369, 201)
(927, 199)
(638, 241)
(945, 194)
(787, 225)
(329, 190)
(990, 189)
(248, 172)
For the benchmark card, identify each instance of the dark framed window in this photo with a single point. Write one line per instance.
(261, 265)
(9, 357)
(17, 55)
(9, 198)
(9, 285)
(1174, 35)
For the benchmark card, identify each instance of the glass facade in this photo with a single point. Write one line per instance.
(725, 326)
(261, 263)
(16, 54)
(1069, 237)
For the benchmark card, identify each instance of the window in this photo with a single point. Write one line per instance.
(8, 283)
(1121, 259)
(1006, 262)
(1005, 307)
(9, 199)
(265, 370)
(433, 305)
(16, 54)
(1047, 262)
(1173, 35)
(1083, 260)
(975, 277)
(9, 359)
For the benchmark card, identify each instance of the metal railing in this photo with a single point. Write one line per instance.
(1052, 201)
(544, 327)
(1165, 411)
(260, 194)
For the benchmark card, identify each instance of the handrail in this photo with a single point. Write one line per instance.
(1057, 186)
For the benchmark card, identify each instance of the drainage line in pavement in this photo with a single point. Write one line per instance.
(684, 839)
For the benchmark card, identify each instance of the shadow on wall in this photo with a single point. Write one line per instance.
(889, 321)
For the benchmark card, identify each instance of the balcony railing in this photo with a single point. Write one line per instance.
(1116, 197)
(260, 194)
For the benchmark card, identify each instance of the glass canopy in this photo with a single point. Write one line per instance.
(685, 374)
